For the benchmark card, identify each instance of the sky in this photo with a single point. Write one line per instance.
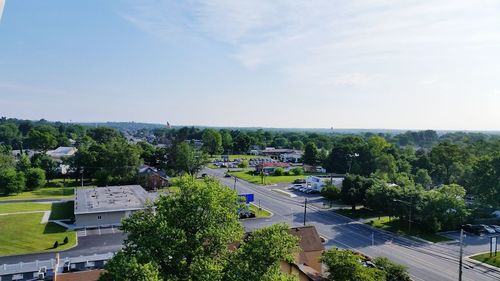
(298, 64)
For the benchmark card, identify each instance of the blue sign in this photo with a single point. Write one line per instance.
(248, 197)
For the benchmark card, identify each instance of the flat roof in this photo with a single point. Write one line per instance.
(110, 199)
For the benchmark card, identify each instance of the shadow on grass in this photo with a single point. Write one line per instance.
(51, 228)
(60, 211)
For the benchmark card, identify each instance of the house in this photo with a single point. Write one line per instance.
(106, 206)
(311, 249)
(152, 178)
(270, 167)
(293, 157)
(62, 152)
(275, 153)
(317, 183)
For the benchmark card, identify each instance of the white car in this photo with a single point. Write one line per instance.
(488, 229)
(495, 227)
(297, 186)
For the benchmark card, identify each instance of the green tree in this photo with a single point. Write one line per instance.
(422, 177)
(297, 171)
(10, 134)
(6, 158)
(242, 143)
(345, 265)
(354, 189)
(46, 163)
(279, 171)
(227, 141)
(43, 139)
(297, 144)
(188, 233)
(35, 178)
(330, 192)
(104, 134)
(259, 256)
(11, 182)
(184, 158)
(212, 141)
(393, 271)
(485, 180)
(23, 163)
(127, 268)
(310, 156)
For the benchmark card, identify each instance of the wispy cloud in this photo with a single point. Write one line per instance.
(2, 5)
(343, 39)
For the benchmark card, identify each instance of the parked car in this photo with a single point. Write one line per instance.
(244, 214)
(298, 181)
(296, 186)
(496, 228)
(488, 229)
(473, 228)
(303, 189)
(227, 175)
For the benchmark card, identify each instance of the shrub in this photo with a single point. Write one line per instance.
(297, 171)
(279, 172)
(243, 164)
(56, 244)
(330, 192)
(35, 178)
(66, 240)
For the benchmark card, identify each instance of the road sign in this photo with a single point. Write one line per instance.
(249, 197)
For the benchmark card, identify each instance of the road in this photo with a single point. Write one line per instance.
(425, 261)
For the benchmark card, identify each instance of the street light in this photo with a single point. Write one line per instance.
(409, 204)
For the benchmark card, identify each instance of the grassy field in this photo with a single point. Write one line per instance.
(23, 207)
(495, 261)
(42, 193)
(249, 177)
(23, 234)
(401, 228)
(259, 213)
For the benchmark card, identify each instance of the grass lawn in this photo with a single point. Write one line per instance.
(401, 228)
(24, 234)
(42, 193)
(249, 177)
(495, 261)
(259, 213)
(23, 207)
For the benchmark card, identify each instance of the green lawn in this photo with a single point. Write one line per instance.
(24, 234)
(249, 177)
(23, 207)
(42, 193)
(495, 261)
(401, 228)
(259, 213)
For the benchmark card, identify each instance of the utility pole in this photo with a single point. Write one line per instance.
(82, 176)
(305, 211)
(461, 254)
(234, 187)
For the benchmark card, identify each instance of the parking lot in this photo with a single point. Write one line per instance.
(97, 231)
(473, 244)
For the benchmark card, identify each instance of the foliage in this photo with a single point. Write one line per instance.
(212, 141)
(184, 158)
(310, 156)
(11, 181)
(297, 171)
(354, 189)
(330, 192)
(485, 180)
(258, 257)
(35, 178)
(279, 171)
(394, 271)
(127, 268)
(346, 265)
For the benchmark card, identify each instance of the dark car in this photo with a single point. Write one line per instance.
(299, 181)
(244, 214)
(227, 175)
(474, 229)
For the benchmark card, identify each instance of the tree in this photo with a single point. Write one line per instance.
(422, 177)
(227, 141)
(297, 171)
(127, 268)
(191, 248)
(279, 171)
(23, 163)
(380, 197)
(184, 158)
(35, 178)
(485, 180)
(6, 158)
(242, 143)
(258, 257)
(310, 156)
(353, 189)
(43, 139)
(212, 141)
(299, 145)
(394, 271)
(345, 265)
(10, 135)
(11, 182)
(46, 163)
(147, 153)
(104, 134)
(330, 192)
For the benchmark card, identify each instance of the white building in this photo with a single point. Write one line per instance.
(62, 152)
(317, 183)
(106, 206)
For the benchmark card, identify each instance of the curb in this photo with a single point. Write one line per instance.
(468, 258)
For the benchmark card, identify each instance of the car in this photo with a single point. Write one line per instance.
(488, 229)
(496, 228)
(296, 186)
(303, 189)
(473, 228)
(227, 175)
(203, 175)
(298, 181)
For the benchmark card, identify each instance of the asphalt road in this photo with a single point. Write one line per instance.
(425, 261)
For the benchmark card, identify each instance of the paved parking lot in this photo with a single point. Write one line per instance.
(97, 231)
(474, 244)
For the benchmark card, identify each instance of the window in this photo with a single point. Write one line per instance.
(99, 217)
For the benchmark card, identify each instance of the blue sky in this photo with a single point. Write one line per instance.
(347, 64)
